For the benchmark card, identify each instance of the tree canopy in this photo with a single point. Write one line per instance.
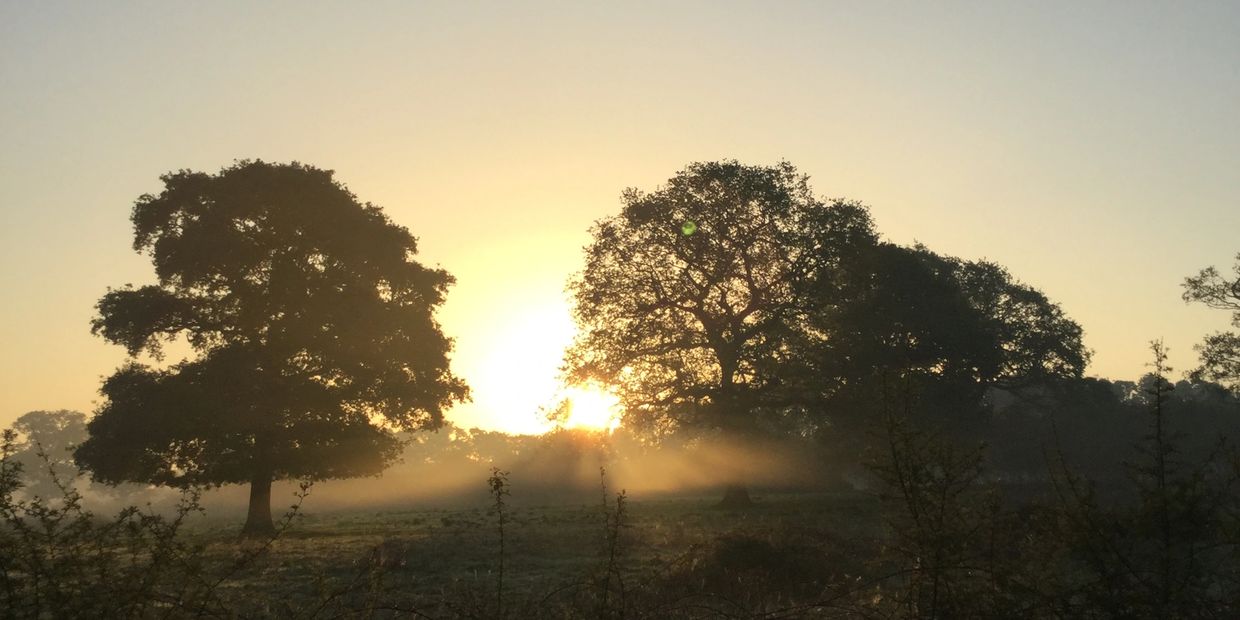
(1220, 351)
(690, 300)
(897, 316)
(733, 298)
(905, 329)
(312, 327)
(44, 440)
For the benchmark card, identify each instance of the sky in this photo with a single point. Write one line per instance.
(1092, 148)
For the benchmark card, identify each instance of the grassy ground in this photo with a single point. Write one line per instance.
(432, 557)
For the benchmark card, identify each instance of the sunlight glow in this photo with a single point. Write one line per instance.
(512, 366)
(592, 408)
(514, 382)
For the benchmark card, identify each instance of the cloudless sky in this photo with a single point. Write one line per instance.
(1092, 148)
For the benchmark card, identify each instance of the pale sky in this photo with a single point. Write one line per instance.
(1092, 148)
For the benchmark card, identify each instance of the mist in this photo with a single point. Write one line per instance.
(449, 469)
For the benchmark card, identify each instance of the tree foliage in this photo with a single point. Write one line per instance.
(898, 316)
(689, 300)
(1220, 351)
(733, 298)
(42, 444)
(312, 328)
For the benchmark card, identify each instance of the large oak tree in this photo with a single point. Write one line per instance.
(689, 302)
(732, 298)
(312, 328)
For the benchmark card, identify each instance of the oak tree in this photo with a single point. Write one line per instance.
(733, 299)
(689, 302)
(312, 328)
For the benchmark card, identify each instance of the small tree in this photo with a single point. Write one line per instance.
(43, 443)
(312, 324)
(1171, 549)
(943, 523)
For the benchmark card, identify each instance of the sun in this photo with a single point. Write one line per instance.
(591, 408)
(513, 369)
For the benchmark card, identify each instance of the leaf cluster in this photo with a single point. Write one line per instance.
(312, 328)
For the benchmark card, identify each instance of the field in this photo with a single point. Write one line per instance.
(942, 540)
(669, 552)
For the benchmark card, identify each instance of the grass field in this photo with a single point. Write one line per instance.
(557, 557)
(934, 537)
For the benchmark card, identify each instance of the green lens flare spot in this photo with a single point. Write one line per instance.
(688, 228)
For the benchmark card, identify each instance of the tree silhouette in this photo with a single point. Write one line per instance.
(45, 439)
(312, 326)
(905, 328)
(690, 302)
(732, 299)
(897, 317)
(1220, 352)
(1036, 341)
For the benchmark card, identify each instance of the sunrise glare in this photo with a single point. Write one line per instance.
(592, 408)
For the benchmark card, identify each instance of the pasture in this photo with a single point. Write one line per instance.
(672, 554)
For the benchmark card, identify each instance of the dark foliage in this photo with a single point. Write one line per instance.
(43, 443)
(1220, 352)
(312, 324)
(60, 560)
(778, 313)
(690, 300)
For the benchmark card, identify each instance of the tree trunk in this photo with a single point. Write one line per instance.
(735, 418)
(736, 497)
(258, 522)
